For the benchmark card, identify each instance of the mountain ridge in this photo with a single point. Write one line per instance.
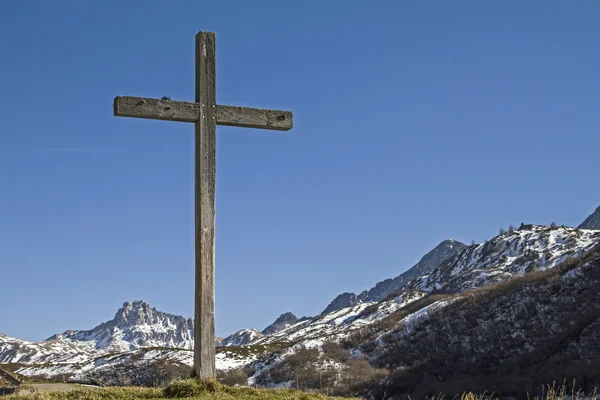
(516, 252)
(429, 261)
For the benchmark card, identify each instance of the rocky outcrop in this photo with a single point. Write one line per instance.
(343, 300)
(593, 221)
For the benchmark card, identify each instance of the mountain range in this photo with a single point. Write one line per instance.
(428, 263)
(141, 345)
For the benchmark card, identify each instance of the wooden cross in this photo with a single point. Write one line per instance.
(206, 114)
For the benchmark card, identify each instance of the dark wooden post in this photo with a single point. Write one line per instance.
(206, 127)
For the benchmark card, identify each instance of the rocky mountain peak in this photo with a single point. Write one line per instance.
(343, 300)
(284, 321)
(286, 317)
(593, 221)
(450, 243)
(136, 313)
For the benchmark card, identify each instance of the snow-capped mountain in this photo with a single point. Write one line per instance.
(241, 337)
(529, 248)
(593, 221)
(136, 325)
(339, 323)
(142, 339)
(428, 263)
(511, 337)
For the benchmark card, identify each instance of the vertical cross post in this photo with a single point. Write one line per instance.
(206, 127)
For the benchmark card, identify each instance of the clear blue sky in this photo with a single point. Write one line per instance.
(413, 122)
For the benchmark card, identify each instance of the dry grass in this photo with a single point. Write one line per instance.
(212, 390)
(190, 388)
(549, 392)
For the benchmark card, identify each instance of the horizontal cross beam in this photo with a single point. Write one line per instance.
(183, 111)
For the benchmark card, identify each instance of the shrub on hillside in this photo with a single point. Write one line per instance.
(335, 351)
(358, 337)
(236, 377)
(309, 370)
(297, 368)
(358, 376)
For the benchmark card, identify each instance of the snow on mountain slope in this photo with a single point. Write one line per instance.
(107, 368)
(515, 253)
(339, 323)
(534, 329)
(546, 321)
(241, 337)
(19, 351)
(527, 249)
(7, 339)
(144, 366)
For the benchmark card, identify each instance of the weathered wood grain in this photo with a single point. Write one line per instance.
(254, 118)
(144, 107)
(183, 111)
(206, 129)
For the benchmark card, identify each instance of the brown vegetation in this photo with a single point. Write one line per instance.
(331, 372)
(510, 337)
(236, 377)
